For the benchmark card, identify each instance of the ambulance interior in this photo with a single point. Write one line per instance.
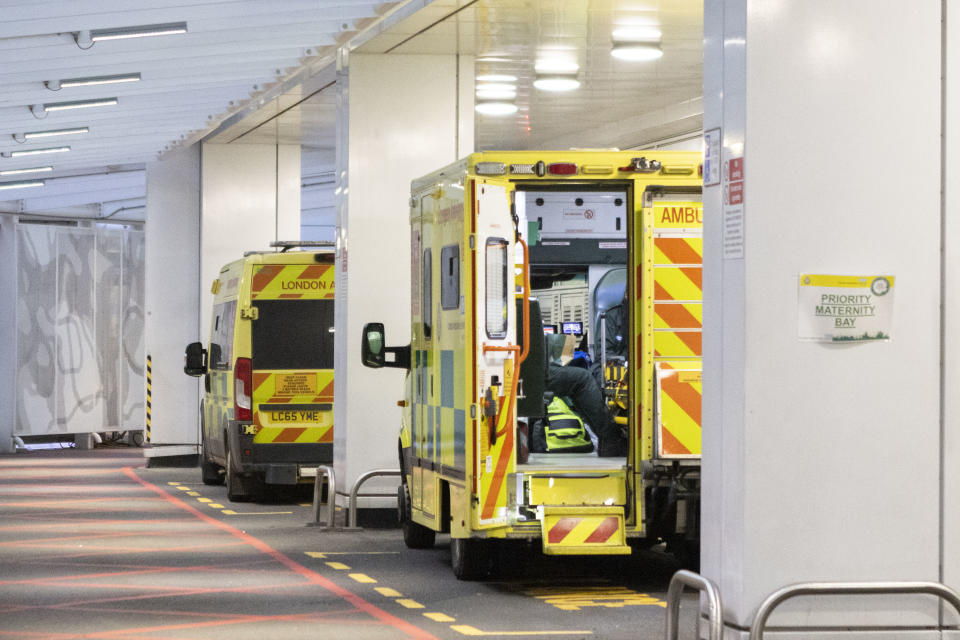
(577, 237)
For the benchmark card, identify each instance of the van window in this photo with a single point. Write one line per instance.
(496, 287)
(221, 342)
(293, 334)
(427, 293)
(450, 277)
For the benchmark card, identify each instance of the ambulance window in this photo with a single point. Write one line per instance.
(293, 334)
(496, 288)
(221, 342)
(450, 277)
(427, 293)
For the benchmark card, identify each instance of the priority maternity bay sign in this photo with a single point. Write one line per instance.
(845, 308)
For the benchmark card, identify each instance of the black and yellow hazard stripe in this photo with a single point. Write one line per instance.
(149, 391)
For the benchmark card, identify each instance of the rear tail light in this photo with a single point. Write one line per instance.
(242, 389)
(562, 169)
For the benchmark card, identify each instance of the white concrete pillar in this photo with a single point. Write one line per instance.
(172, 292)
(400, 117)
(8, 331)
(823, 461)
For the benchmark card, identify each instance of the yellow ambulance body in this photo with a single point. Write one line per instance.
(267, 411)
(480, 229)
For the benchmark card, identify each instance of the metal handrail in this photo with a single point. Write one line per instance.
(324, 472)
(684, 578)
(355, 491)
(779, 596)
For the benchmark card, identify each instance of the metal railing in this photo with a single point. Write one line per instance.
(355, 491)
(776, 598)
(324, 472)
(684, 578)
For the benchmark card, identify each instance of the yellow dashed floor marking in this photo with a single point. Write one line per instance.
(173, 484)
(324, 554)
(192, 493)
(410, 604)
(339, 566)
(228, 512)
(214, 505)
(204, 500)
(467, 630)
(388, 592)
(183, 488)
(574, 599)
(439, 617)
(362, 578)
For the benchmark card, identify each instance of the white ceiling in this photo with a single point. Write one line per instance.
(253, 71)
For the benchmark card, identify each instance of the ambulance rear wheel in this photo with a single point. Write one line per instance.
(470, 558)
(415, 536)
(236, 491)
(209, 472)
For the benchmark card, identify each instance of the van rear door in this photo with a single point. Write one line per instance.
(292, 359)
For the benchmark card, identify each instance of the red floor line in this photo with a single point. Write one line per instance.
(45, 504)
(93, 535)
(210, 614)
(93, 522)
(89, 576)
(148, 596)
(312, 576)
(121, 552)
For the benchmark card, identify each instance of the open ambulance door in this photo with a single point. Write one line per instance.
(495, 350)
(667, 262)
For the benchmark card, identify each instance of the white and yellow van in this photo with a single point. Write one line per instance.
(267, 410)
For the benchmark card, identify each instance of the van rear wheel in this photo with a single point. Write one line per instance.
(236, 489)
(209, 472)
(415, 536)
(470, 558)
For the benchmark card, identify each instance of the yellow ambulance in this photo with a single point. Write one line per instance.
(509, 248)
(267, 410)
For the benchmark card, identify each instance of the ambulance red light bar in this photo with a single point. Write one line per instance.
(642, 165)
(562, 169)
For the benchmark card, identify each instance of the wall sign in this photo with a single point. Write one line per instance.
(835, 308)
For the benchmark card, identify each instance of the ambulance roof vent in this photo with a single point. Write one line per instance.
(286, 245)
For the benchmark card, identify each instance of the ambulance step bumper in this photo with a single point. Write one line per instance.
(583, 531)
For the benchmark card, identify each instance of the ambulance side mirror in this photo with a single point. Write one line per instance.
(374, 354)
(195, 360)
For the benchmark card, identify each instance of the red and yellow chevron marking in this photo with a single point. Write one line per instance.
(493, 494)
(304, 420)
(679, 408)
(292, 281)
(678, 315)
(678, 312)
(685, 251)
(583, 530)
(672, 284)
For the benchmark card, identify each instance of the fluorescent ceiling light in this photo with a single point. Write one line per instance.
(141, 31)
(16, 172)
(556, 65)
(22, 184)
(496, 78)
(35, 152)
(636, 52)
(556, 82)
(53, 132)
(496, 91)
(55, 85)
(40, 110)
(495, 108)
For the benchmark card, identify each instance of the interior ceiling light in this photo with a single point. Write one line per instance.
(21, 137)
(556, 66)
(556, 82)
(56, 85)
(637, 34)
(16, 172)
(86, 38)
(22, 184)
(496, 78)
(34, 152)
(40, 110)
(636, 51)
(496, 91)
(495, 108)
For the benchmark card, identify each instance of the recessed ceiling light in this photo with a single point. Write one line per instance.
(55, 85)
(637, 34)
(29, 135)
(16, 172)
(496, 91)
(495, 108)
(636, 52)
(496, 78)
(35, 152)
(22, 184)
(40, 110)
(556, 82)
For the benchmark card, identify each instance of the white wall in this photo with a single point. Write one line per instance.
(398, 120)
(8, 331)
(173, 298)
(822, 462)
(251, 197)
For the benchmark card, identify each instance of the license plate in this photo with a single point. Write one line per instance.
(295, 416)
